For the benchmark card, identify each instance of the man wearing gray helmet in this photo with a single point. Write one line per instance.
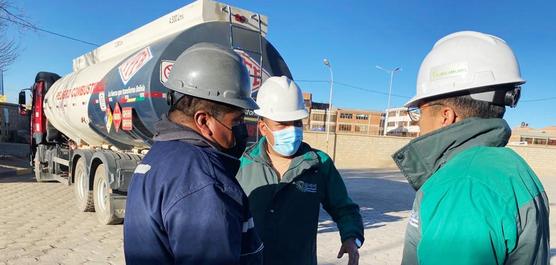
(184, 205)
(477, 201)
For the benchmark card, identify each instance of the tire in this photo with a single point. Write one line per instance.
(40, 175)
(83, 196)
(104, 207)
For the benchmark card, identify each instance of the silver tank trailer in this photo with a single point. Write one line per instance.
(118, 100)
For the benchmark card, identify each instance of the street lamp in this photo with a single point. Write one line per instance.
(327, 64)
(391, 72)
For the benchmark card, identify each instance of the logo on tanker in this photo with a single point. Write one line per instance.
(165, 68)
(132, 65)
(253, 67)
(255, 73)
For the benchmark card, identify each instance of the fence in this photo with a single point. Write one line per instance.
(362, 151)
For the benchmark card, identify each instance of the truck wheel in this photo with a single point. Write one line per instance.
(104, 206)
(83, 195)
(38, 168)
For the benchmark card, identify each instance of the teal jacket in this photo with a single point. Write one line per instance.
(477, 201)
(286, 212)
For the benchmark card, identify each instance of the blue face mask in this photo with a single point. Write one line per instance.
(287, 141)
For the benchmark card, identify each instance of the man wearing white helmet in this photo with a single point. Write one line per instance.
(286, 181)
(477, 202)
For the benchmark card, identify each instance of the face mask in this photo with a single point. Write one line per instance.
(287, 141)
(240, 138)
(239, 132)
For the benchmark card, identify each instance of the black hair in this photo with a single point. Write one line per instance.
(189, 105)
(467, 107)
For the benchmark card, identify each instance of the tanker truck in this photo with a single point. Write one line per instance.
(91, 127)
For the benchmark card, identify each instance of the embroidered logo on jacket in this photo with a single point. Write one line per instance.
(305, 187)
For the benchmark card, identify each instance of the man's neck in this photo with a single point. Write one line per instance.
(278, 162)
(181, 119)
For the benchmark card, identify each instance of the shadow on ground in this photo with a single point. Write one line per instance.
(379, 193)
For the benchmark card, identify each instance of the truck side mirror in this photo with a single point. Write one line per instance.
(22, 101)
(22, 97)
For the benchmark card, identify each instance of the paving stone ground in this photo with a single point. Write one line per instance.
(39, 223)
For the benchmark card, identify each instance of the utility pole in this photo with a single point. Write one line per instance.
(391, 72)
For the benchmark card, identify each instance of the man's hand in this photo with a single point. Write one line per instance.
(350, 247)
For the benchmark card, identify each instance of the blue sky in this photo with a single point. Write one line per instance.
(354, 35)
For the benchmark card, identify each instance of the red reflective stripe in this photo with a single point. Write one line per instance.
(154, 94)
(38, 118)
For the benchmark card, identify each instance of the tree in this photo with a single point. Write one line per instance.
(8, 47)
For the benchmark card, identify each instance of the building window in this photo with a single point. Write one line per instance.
(539, 141)
(527, 139)
(403, 113)
(362, 117)
(412, 134)
(318, 117)
(391, 124)
(552, 141)
(392, 114)
(402, 124)
(344, 128)
(346, 116)
(317, 127)
(361, 128)
(413, 123)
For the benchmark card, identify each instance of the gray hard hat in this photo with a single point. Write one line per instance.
(213, 72)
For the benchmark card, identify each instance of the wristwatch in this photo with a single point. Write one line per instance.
(358, 243)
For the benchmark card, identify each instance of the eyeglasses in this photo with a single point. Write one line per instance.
(414, 112)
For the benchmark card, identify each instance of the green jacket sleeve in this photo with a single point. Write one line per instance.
(337, 202)
(465, 223)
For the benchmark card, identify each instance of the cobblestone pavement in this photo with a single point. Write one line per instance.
(39, 223)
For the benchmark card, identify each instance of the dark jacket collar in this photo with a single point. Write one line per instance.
(424, 155)
(305, 158)
(167, 130)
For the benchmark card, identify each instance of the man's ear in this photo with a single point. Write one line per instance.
(449, 116)
(262, 128)
(201, 119)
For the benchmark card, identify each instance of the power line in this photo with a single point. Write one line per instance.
(31, 26)
(351, 86)
(395, 95)
(15, 16)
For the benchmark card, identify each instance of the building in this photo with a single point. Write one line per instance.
(318, 119)
(358, 121)
(355, 121)
(525, 135)
(308, 100)
(14, 127)
(398, 123)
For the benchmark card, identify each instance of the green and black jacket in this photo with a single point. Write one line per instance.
(286, 212)
(477, 201)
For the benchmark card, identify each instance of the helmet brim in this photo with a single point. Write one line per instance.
(284, 116)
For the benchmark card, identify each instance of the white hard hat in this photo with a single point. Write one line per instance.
(464, 61)
(280, 99)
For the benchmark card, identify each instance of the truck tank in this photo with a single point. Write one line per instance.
(115, 96)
